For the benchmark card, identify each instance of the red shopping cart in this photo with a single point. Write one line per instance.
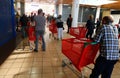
(31, 33)
(53, 29)
(79, 54)
(78, 32)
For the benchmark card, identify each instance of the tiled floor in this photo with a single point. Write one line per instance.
(23, 63)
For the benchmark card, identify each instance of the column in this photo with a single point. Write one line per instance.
(75, 10)
(60, 7)
(22, 8)
(97, 13)
(81, 19)
(55, 11)
(18, 5)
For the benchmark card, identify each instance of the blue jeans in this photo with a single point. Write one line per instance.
(103, 67)
(40, 33)
(60, 33)
(23, 30)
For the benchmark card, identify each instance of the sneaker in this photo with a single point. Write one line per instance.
(35, 50)
(31, 48)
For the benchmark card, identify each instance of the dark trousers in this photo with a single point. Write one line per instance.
(103, 67)
(68, 29)
(89, 34)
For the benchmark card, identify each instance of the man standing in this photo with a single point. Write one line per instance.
(40, 29)
(69, 22)
(23, 22)
(109, 49)
(59, 23)
(90, 26)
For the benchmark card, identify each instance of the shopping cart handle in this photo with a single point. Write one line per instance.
(93, 43)
(87, 43)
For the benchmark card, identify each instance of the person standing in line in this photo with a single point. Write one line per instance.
(90, 26)
(69, 22)
(53, 24)
(40, 29)
(119, 25)
(59, 23)
(49, 19)
(23, 22)
(97, 24)
(109, 49)
(31, 32)
(17, 16)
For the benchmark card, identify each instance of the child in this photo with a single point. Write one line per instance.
(31, 33)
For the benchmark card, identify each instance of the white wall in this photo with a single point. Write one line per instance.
(116, 18)
(33, 7)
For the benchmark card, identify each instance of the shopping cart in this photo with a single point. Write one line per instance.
(78, 53)
(53, 30)
(31, 33)
(78, 32)
(32, 37)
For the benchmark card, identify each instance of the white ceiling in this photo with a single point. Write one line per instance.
(96, 2)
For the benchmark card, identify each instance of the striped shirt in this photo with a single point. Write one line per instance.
(109, 44)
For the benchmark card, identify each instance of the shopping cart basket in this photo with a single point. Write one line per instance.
(79, 54)
(78, 32)
(31, 34)
(53, 30)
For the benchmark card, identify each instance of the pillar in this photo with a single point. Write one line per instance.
(60, 7)
(55, 10)
(81, 19)
(75, 11)
(18, 5)
(22, 8)
(97, 13)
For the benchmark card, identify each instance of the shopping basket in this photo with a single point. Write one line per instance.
(79, 54)
(53, 28)
(78, 32)
(31, 34)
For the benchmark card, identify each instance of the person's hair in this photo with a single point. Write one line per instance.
(59, 17)
(107, 19)
(91, 17)
(32, 19)
(40, 11)
(69, 15)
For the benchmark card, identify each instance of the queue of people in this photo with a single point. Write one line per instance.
(33, 27)
(106, 36)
